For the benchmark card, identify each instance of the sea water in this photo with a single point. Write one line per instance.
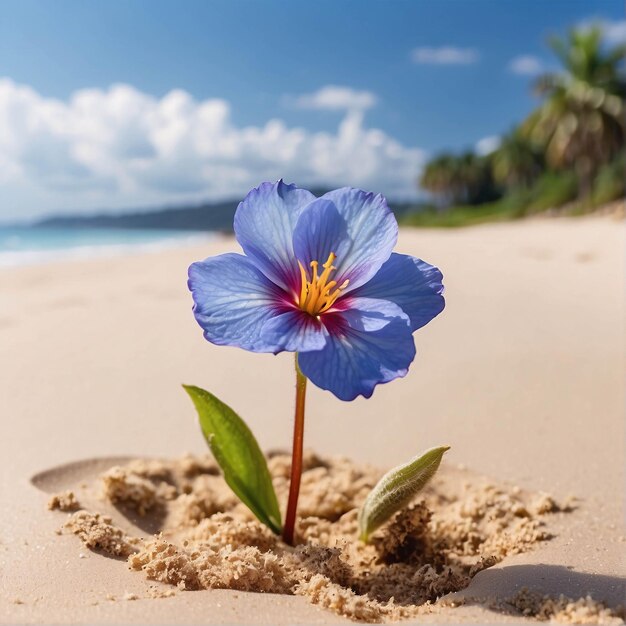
(27, 245)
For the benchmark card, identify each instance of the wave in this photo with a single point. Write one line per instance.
(16, 258)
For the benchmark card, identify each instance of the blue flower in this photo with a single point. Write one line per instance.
(319, 278)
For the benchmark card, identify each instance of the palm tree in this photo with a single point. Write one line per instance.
(464, 178)
(473, 175)
(440, 178)
(517, 162)
(581, 121)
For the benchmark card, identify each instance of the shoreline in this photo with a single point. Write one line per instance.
(11, 259)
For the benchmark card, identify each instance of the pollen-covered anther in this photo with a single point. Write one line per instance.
(318, 293)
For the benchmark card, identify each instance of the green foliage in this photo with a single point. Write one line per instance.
(238, 454)
(609, 184)
(569, 150)
(466, 178)
(552, 190)
(457, 216)
(517, 162)
(581, 119)
(396, 489)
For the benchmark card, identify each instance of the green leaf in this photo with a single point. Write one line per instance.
(396, 489)
(238, 454)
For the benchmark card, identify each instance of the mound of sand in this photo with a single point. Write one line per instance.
(564, 610)
(206, 539)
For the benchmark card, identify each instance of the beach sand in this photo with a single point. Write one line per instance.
(522, 375)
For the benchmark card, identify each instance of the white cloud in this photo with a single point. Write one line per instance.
(445, 55)
(336, 98)
(487, 145)
(614, 31)
(121, 147)
(527, 65)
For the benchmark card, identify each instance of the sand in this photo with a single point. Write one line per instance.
(522, 375)
(205, 539)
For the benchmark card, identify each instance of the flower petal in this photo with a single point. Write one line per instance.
(320, 231)
(414, 285)
(295, 331)
(264, 225)
(372, 232)
(369, 343)
(232, 301)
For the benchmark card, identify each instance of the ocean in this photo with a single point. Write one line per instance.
(28, 245)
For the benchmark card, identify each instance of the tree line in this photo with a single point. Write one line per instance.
(571, 147)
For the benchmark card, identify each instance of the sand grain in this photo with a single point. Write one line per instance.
(208, 540)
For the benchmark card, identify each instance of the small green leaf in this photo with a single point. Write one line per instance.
(396, 489)
(238, 454)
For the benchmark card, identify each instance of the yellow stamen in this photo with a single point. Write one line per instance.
(318, 294)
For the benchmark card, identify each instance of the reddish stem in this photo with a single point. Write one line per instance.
(296, 457)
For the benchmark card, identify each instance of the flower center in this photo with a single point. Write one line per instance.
(319, 294)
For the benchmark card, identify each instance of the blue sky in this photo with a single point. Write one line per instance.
(409, 79)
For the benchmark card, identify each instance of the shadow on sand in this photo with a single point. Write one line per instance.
(552, 580)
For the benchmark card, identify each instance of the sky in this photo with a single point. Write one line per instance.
(111, 106)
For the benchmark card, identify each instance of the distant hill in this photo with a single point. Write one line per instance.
(207, 217)
(216, 216)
